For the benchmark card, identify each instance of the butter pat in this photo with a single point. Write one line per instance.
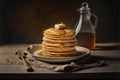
(60, 26)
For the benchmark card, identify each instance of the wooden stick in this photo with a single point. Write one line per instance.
(26, 64)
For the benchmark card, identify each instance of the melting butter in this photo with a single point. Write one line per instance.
(60, 26)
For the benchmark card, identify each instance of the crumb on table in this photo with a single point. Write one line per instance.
(9, 60)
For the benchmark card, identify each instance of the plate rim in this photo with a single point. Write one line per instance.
(41, 58)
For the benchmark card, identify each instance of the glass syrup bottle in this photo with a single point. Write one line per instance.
(85, 30)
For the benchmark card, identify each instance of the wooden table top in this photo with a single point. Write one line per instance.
(110, 55)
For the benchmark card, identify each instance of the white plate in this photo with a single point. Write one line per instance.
(84, 52)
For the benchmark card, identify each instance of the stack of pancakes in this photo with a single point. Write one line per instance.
(59, 42)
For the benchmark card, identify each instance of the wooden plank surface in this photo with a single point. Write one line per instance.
(111, 57)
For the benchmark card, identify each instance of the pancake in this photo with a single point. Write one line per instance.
(59, 42)
(60, 37)
(58, 49)
(56, 54)
(55, 32)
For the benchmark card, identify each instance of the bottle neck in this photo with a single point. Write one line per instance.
(85, 15)
(84, 11)
(85, 22)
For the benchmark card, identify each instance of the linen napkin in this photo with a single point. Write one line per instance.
(87, 62)
(84, 63)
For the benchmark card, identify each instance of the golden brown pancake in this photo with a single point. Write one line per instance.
(62, 54)
(59, 42)
(59, 37)
(58, 49)
(55, 32)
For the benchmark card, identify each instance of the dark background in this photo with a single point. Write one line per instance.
(23, 21)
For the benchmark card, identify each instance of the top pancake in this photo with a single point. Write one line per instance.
(59, 32)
